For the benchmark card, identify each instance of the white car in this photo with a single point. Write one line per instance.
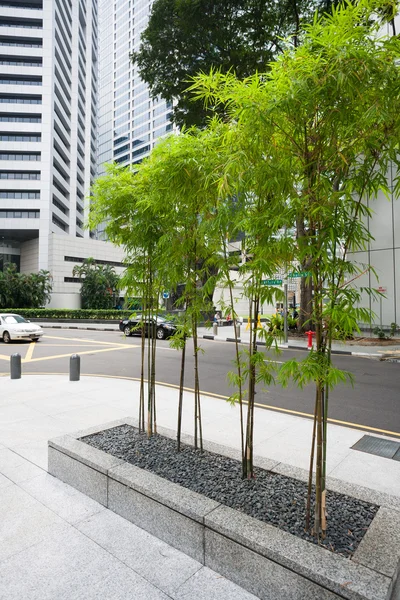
(15, 327)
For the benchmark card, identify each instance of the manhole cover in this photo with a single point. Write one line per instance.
(377, 446)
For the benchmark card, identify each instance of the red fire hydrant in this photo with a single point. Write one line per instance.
(310, 336)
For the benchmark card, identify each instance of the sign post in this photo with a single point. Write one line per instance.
(285, 313)
(381, 290)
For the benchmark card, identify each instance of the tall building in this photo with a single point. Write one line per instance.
(129, 121)
(48, 136)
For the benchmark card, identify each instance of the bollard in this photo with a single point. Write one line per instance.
(74, 367)
(215, 328)
(237, 331)
(15, 366)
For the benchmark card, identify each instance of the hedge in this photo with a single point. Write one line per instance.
(65, 313)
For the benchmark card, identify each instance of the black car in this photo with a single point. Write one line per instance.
(162, 328)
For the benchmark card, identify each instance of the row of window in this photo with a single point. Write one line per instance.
(21, 63)
(78, 259)
(20, 137)
(17, 81)
(16, 195)
(19, 156)
(19, 175)
(59, 223)
(20, 119)
(19, 214)
(21, 44)
(21, 99)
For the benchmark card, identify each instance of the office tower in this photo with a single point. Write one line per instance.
(129, 121)
(48, 137)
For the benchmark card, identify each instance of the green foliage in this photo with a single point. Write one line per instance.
(186, 37)
(24, 290)
(70, 313)
(393, 328)
(100, 284)
(380, 333)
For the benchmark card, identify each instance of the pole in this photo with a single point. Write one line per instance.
(15, 366)
(380, 311)
(285, 311)
(74, 367)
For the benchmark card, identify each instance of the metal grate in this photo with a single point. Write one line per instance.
(397, 455)
(378, 446)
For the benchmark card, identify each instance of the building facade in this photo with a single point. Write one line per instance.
(130, 122)
(48, 127)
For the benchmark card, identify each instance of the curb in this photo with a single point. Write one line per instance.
(77, 328)
(293, 347)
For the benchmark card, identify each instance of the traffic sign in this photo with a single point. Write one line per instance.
(165, 295)
(299, 274)
(271, 282)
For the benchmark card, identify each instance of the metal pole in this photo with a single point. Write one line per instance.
(285, 311)
(380, 311)
(15, 366)
(74, 367)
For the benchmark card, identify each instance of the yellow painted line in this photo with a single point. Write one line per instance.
(221, 397)
(4, 357)
(81, 353)
(29, 352)
(54, 337)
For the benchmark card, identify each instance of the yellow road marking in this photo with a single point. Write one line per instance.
(81, 353)
(54, 337)
(4, 357)
(29, 352)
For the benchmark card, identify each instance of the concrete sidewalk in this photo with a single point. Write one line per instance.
(69, 547)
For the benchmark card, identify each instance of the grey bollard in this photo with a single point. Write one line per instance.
(215, 328)
(74, 367)
(237, 331)
(15, 366)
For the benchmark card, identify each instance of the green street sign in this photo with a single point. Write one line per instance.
(271, 282)
(299, 274)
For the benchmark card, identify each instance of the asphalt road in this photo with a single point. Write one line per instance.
(373, 403)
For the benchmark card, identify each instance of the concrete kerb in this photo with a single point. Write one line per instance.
(255, 555)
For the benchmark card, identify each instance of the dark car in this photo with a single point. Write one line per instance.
(162, 328)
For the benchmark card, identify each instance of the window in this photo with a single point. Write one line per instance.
(59, 223)
(19, 174)
(7, 80)
(20, 137)
(21, 99)
(6, 118)
(122, 159)
(140, 151)
(20, 62)
(19, 195)
(121, 149)
(72, 280)
(21, 42)
(19, 156)
(19, 214)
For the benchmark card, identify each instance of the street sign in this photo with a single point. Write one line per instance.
(271, 282)
(299, 274)
(382, 290)
(165, 295)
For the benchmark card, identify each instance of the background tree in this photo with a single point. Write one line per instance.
(100, 284)
(184, 37)
(24, 290)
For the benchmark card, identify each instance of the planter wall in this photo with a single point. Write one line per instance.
(266, 561)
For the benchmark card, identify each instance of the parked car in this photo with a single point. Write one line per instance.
(15, 327)
(162, 327)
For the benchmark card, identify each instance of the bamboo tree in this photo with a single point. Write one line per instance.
(328, 116)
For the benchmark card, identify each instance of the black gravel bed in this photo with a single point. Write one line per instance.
(270, 497)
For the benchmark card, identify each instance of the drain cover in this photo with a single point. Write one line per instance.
(397, 455)
(377, 446)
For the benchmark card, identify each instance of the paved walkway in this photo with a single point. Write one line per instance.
(55, 543)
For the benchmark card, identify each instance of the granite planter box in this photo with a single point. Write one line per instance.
(266, 561)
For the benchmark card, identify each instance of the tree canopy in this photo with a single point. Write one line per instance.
(99, 284)
(185, 37)
(24, 290)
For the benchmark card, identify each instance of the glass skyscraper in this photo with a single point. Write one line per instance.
(129, 121)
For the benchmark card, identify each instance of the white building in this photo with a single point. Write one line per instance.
(48, 131)
(129, 121)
